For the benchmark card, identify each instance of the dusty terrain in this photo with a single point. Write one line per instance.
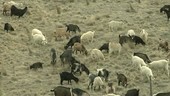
(18, 51)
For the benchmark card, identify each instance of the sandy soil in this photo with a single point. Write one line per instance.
(18, 51)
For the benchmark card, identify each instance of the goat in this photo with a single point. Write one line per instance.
(144, 35)
(114, 47)
(137, 40)
(87, 37)
(62, 91)
(36, 65)
(79, 92)
(163, 45)
(110, 88)
(124, 39)
(98, 82)
(96, 54)
(146, 71)
(103, 73)
(72, 27)
(160, 64)
(7, 6)
(77, 67)
(162, 94)
(67, 76)
(142, 56)
(131, 33)
(18, 12)
(8, 27)
(67, 56)
(61, 32)
(39, 38)
(132, 92)
(114, 25)
(105, 46)
(79, 47)
(165, 7)
(122, 79)
(72, 41)
(53, 56)
(91, 80)
(138, 61)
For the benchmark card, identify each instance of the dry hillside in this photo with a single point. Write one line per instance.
(17, 51)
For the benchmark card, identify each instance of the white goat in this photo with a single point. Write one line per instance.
(87, 37)
(38, 36)
(114, 47)
(96, 54)
(131, 33)
(36, 31)
(144, 35)
(114, 25)
(138, 61)
(160, 64)
(98, 82)
(146, 71)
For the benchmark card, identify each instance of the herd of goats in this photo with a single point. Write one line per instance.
(76, 44)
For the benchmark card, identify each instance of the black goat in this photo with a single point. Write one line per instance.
(72, 41)
(105, 46)
(165, 7)
(143, 56)
(18, 12)
(53, 56)
(137, 40)
(167, 13)
(122, 79)
(36, 65)
(62, 91)
(124, 39)
(72, 27)
(162, 94)
(66, 56)
(67, 76)
(79, 92)
(8, 27)
(66, 91)
(132, 92)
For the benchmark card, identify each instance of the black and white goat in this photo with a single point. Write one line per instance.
(103, 73)
(78, 67)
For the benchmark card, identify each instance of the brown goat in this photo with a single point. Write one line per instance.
(61, 32)
(163, 45)
(79, 47)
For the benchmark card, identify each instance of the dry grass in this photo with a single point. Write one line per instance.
(18, 52)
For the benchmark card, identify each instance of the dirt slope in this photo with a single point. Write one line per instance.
(18, 51)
